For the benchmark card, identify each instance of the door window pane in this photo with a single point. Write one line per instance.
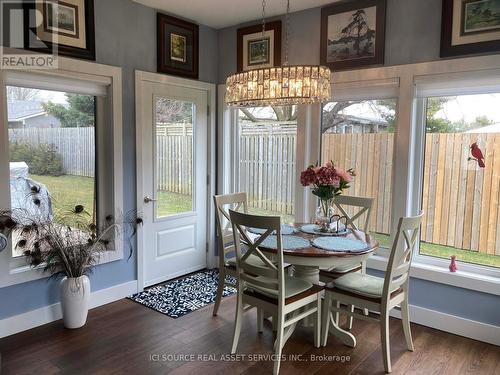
(267, 159)
(360, 135)
(52, 154)
(460, 197)
(174, 156)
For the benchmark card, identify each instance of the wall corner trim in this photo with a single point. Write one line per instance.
(453, 324)
(47, 314)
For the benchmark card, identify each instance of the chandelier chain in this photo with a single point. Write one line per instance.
(287, 36)
(263, 18)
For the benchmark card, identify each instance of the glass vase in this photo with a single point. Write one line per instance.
(324, 212)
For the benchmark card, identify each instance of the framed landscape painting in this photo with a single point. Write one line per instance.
(259, 51)
(470, 26)
(177, 46)
(353, 34)
(66, 26)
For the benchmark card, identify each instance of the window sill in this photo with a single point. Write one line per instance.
(22, 273)
(439, 274)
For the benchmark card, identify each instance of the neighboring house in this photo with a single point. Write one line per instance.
(29, 114)
(493, 128)
(346, 124)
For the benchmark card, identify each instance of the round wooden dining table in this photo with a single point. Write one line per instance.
(307, 262)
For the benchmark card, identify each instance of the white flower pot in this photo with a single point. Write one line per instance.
(75, 293)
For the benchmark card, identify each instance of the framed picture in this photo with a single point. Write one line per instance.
(177, 46)
(470, 26)
(259, 51)
(353, 34)
(66, 26)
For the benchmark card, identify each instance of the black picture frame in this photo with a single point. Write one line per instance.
(351, 6)
(87, 53)
(275, 28)
(183, 30)
(450, 50)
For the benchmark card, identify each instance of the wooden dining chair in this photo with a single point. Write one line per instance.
(363, 206)
(225, 240)
(379, 295)
(268, 287)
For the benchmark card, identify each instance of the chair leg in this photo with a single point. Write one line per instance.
(260, 319)
(220, 290)
(326, 317)
(337, 314)
(405, 318)
(317, 328)
(384, 333)
(351, 319)
(278, 345)
(237, 322)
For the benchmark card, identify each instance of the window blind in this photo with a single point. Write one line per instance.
(365, 90)
(47, 81)
(452, 84)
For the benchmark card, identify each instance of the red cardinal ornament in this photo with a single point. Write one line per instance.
(477, 154)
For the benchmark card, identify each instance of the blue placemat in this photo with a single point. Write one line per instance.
(313, 229)
(340, 244)
(285, 230)
(288, 242)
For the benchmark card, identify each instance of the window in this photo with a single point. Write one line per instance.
(61, 135)
(359, 134)
(51, 150)
(267, 159)
(174, 156)
(459, 196)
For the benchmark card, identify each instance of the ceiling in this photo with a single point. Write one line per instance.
(223, 13)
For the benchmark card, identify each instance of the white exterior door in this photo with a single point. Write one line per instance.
(174, 132)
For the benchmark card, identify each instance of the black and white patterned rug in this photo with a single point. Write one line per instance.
(180, 297)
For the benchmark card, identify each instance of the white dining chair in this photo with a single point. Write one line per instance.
(362, 205)
(225, 240)
(268, 287)
(378, 295)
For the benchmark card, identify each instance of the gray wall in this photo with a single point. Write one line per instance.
(413, 32)
(125, 37)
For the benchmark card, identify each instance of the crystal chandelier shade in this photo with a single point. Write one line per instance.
(282, 85)
(301, 84)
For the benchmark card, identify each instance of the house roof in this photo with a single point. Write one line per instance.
(19, 110)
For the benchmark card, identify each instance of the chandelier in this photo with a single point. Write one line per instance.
(282, 85)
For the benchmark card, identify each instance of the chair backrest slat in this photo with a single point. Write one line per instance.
(237, 202)
(365, 207)
(398, 267)
(270, 274)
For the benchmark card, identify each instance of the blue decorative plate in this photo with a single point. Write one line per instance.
(288, 242)
(315, 229)
(340, 244)
(285, 230)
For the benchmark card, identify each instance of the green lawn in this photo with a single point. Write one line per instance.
(68, 191)
(441, 251)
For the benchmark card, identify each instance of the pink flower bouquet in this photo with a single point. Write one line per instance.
(328, 181)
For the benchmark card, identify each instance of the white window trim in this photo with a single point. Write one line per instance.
(14, 270)
(406, 172)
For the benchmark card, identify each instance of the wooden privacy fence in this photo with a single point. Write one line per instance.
(76, 146)
(267, 164)
(174, 158)
(461, 201)
(370, 154)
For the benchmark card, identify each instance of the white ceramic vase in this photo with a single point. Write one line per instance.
(75, 293)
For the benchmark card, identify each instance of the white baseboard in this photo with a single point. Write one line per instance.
(47, 314)
(453, 324)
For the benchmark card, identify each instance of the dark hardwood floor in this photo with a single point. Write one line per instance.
(127, 338)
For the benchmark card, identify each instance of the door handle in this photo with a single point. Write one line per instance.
(148, 199)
